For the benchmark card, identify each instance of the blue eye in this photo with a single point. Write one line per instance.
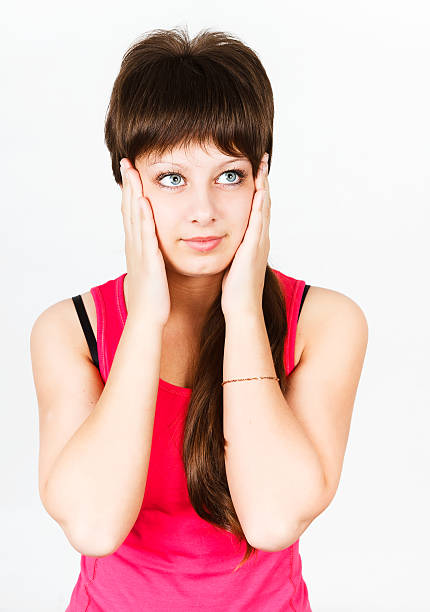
(240, 173)
(170, 174)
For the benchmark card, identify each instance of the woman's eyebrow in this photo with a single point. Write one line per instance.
(228, 161)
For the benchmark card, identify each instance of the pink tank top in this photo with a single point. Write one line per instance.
(173, 560)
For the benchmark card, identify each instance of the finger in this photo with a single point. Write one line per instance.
(143, 222)
(265, 213)
(259, 186)
(262, 184)
(253, 231)
(136, 216)
(125, 205)
(257, 214)
(259, 179)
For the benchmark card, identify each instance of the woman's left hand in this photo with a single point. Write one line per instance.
(243, 281)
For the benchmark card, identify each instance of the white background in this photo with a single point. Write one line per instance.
(350, 200)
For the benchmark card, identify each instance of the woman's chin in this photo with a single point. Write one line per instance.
(196, 266)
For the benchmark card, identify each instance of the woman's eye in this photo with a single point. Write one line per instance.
(174, 182)
(231, 177)
(173, 178)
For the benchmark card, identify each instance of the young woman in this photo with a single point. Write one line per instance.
(192, 426)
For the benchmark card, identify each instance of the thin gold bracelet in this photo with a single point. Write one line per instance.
(254, 378)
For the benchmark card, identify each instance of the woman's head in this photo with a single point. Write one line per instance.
(198, 103)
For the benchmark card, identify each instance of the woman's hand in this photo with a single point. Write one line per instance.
(147, 286)
(243, 281)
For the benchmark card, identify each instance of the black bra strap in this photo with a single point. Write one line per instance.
(86, 326)
(305, 290)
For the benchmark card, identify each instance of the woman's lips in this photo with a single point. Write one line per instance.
(203, 245)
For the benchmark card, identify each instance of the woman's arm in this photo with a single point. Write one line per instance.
(95, 487)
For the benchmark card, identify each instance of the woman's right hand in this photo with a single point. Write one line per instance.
(147, 286)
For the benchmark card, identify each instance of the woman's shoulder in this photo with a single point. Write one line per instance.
(62, 318)
(319, 302)
(322, 308)
(322, 303)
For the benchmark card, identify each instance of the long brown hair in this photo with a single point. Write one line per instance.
(172, 91)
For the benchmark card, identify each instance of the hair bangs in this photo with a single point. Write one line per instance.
(175, 92)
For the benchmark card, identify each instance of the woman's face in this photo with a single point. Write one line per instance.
(202, 193)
